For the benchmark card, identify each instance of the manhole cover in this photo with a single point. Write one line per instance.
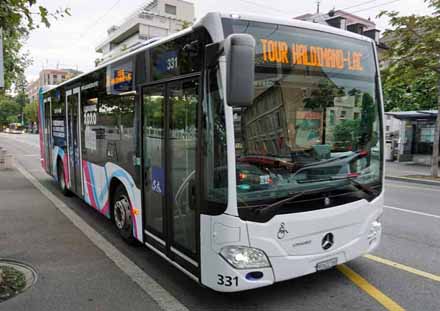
(15, 278)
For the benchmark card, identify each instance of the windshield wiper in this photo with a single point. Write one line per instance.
(366, 189)
(291, 198)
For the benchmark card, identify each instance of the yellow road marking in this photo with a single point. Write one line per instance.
(363, 284)
(404, 268)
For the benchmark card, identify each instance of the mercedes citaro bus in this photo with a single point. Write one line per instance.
(243, 150)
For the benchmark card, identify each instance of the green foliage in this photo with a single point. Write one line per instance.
(12, 119)
(17, 19)
(359, 133)
(31, 112)
(9, 110)
(186, 24)
(346, 134)
(413, 59)
(12, 282)
(323, 96)
(414, 40)
(409, 89)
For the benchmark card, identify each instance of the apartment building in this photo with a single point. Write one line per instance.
(158, 18)
(49, 77)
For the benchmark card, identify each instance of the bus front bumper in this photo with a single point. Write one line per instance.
(225, 278)
(289, 267)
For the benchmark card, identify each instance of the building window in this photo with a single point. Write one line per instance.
(387, 128)
(343, 114)
(332, 117)
(356, 115)
(170, 9)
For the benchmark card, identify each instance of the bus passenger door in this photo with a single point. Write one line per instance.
(169, 169)
(182, 105)
(154, 163)
(74, 140)
(48, 133)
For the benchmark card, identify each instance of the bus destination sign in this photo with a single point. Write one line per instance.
(280, 52)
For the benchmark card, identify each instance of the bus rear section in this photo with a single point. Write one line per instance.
(305, 166)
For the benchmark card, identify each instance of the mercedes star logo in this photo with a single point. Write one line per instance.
(327, 241)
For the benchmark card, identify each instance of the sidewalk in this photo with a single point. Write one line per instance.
(410, 172)
(73, 274)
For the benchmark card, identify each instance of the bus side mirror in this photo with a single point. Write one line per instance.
(239, 50)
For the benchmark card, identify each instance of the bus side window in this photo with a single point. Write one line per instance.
(127, 127)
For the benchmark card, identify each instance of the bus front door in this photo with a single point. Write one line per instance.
(169, 153)
(74, 140)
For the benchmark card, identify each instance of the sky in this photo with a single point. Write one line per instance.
(70, 42)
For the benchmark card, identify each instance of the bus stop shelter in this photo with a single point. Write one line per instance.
(416, 135)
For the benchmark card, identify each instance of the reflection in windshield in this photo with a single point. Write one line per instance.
(310, 125)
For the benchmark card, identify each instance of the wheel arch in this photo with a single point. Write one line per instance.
(117, 176)
(115, 182)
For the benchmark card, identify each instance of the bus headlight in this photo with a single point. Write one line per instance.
(243, 257)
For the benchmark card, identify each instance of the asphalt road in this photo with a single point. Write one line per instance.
(411, 238)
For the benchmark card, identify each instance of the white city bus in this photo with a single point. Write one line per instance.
(15, 128)
(243, 150)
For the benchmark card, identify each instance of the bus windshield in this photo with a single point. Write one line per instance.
(313, 131)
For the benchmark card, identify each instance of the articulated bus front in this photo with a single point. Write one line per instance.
(304, 162)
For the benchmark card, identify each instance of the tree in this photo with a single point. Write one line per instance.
(409, 90)
(9, 110)
(416, 50)
(346, 135)
(17, 19)
(31, 112)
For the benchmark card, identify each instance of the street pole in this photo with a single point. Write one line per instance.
(436, 142)
(2, 78)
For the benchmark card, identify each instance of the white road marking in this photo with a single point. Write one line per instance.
(163, 298)
(421, 187)
(412, 212)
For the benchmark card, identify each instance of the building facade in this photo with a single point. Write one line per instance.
(346, 21)
(49, 77)
(158, 18)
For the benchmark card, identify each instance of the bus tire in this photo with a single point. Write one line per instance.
(61, 179)
(121, 214)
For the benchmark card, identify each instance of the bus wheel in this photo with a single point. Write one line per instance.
(61, 180)
(122, 214)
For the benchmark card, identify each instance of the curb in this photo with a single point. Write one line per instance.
(414, 180)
